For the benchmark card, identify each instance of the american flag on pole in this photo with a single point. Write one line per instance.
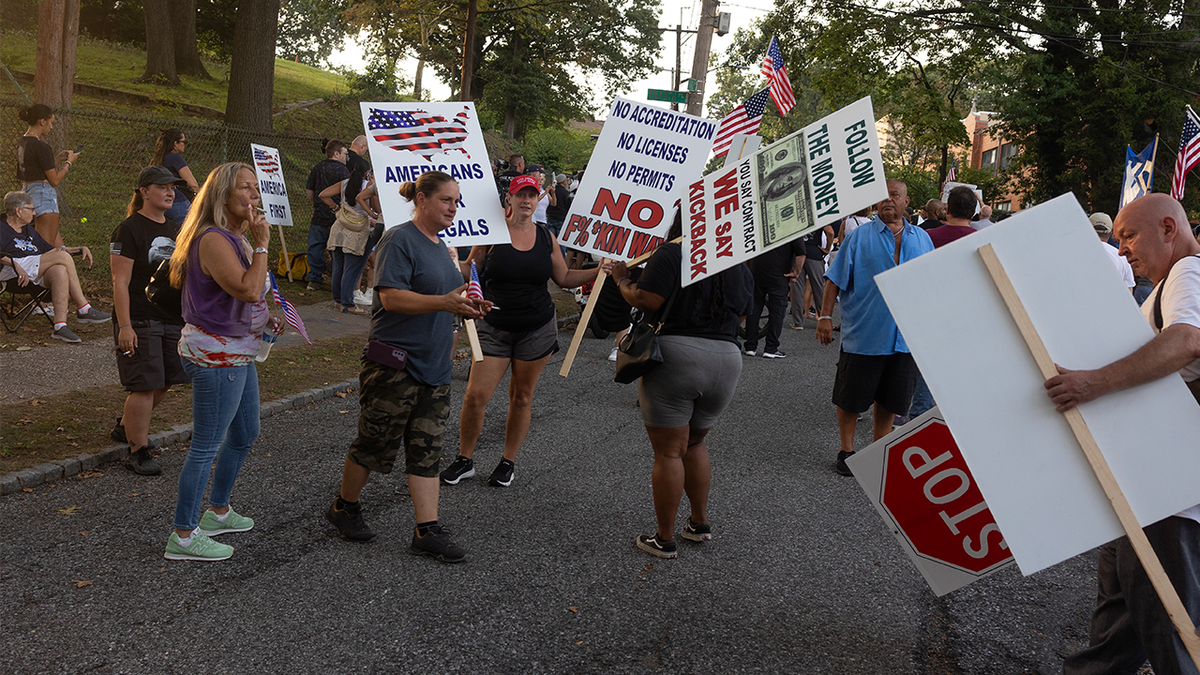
(418, 131)
(781, 86)
(289, 310)
(1189, 152)
(744, 119)
(474, 290)
(950, 175)
(265, 161)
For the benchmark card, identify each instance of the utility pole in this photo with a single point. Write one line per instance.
(708, 19)
(678, 64)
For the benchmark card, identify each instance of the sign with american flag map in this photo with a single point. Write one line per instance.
(268, 169)
(409, 139)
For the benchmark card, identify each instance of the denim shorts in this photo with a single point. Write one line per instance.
(45, 197)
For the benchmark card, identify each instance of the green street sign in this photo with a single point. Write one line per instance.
(692, 84)
(667, 95)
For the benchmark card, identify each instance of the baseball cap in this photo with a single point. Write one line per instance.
(158, 175)
(1101, 222)
(522, 182)
(532, 168)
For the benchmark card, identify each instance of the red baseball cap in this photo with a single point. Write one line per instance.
(522, 182)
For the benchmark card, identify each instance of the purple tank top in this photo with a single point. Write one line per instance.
(206, 304)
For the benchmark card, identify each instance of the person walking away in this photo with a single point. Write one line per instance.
(329, 171)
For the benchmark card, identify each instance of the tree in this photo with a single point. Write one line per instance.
(252, 70)
(183, 35)
(311, 30)
(57, 37)
(171, 48)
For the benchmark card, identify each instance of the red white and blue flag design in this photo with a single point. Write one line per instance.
(744, 119)
(1189, 152)
(265, 162)
(418, 131)
(781, 86)
(474, 290)
(289, 310)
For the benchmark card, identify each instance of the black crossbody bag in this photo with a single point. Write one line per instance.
(639, 352)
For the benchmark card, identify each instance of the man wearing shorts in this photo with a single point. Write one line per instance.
(875, 365)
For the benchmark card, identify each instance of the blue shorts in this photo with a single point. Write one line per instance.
(45, 198)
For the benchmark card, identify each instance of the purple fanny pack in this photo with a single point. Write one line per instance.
(386, 355)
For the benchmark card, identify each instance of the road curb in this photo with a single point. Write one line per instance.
(15, 481)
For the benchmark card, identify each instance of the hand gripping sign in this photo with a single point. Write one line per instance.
(808, 180)
(409, 139)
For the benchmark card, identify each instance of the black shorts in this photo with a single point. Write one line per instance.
(524, 346)
(155, 363)
(888, 380)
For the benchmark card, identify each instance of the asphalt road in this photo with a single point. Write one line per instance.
(801, 576)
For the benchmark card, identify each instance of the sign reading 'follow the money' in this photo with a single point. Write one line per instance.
(813, 178)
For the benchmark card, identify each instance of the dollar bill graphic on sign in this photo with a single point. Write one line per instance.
(784, 197)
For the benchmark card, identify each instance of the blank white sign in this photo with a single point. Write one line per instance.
(1023, 455)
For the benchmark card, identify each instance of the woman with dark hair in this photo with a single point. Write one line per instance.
(404, 393)
(349, 237)
(168, 152)
(329, 171)
(37, 169)
(682, 398)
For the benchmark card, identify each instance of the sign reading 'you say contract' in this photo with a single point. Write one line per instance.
(813, 178)
(632, 186)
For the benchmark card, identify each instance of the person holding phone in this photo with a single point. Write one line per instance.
(168, 152)
(38, 169)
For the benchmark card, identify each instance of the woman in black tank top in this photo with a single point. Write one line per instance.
(520, 331)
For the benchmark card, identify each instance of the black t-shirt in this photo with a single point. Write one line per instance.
(33, 158)
(504, 180)
(516, 282)
(147, 244)
(562, 199)
(692, 312)
(327, 172)
(812, 244)
(612, 312)
(768, 268)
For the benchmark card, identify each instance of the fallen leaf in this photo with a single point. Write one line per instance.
(24, 349)
(574, 610)
(340, 394)
(70, 510)
(60, 429)
(132, 494)
(80, 583)
(343, 411)
(580, 642)
(26, 489)
(326, 358)
(290, 363)
(36, 402)
(83, 532)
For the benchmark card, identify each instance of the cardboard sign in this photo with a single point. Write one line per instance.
(408, 139)
(268, 169)
(811, 179)
(633, 182)
(1022, 453)
(919, 482)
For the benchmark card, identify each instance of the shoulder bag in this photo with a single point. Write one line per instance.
(350, 220)
(639, 352)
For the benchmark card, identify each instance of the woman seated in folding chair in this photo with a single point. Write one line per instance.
(29, 258)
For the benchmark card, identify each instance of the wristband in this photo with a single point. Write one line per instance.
(67, 162)
(822, 318)
(123, 325)
(261, 249)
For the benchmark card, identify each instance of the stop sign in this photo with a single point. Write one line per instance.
(933, 501)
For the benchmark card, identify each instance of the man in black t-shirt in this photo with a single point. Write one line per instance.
(327, 172)
(772, 271)
(816, 247)
(516, 167)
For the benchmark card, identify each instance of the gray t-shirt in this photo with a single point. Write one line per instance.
(407, 260)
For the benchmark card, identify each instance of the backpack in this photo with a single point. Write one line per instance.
(299, 265)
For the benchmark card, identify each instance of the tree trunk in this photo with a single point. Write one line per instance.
(468, 61)
(417, 79)
(183, 32)
(160, 53)
(510, 121)
(54, 69)
(252, 68)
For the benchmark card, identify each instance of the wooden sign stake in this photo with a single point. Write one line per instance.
(473, 337)
(287, 262)
(1141, 545)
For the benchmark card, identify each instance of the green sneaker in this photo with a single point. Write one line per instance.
(201, 548)
(211, 527)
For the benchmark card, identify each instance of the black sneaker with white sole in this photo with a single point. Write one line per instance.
(696, 531)
(437, 544)
(655, 547)
(503, 475)
(460, 468)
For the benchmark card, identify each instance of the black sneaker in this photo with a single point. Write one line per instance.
(118, 435)
(460, 468)
(349, 524)
(141, 462)
(841, 467)
(503, 475)
(660, 549)
(696, 531)
(436, 544)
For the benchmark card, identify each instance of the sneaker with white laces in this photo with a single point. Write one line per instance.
(459, 469)
(655, 547)
(361, 298)
(774, 355)
(93, 316)
(211, 526)
(613, 355)
(437, 544)
(43, 310)
(200, 548)
(696, 531)
(66, 335)
(503, 475)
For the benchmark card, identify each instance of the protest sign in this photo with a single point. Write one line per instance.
(268, 169)
(634, 179)
(813, 178)
(950, 185)
(409, 139)
(1022, 453)
(919, 482)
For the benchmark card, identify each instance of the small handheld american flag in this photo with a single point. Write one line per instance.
(474, 290)
(289, 310)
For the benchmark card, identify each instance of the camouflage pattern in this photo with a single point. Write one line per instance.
(396, 409)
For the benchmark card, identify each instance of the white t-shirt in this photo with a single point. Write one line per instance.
(539, 215)
(1122, 265)
(853, 222)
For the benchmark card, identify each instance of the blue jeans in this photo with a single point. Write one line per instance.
(347, 268)
(922, 399)
(318, 237)
(224, 426)
(179, 210)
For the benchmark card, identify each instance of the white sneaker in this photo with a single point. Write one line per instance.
(361, 298)
(613, 355)
(47, 310)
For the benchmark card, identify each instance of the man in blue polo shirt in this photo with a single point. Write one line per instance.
(874, 365)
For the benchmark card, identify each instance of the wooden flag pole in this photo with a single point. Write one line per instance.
(473, 337)
(287, 262)
(1141, 545)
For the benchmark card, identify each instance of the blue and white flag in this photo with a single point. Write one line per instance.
(1139, 173)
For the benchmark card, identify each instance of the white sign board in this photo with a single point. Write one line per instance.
(409, 139)
(950, 185)
(644, 158)
(742, 145)
(1022, 453)
(813, 178)
(268, 169)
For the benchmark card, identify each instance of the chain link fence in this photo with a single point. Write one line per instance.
(95, 194)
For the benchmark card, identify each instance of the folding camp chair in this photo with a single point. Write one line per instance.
(18, 302)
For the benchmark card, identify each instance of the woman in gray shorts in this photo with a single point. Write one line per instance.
(684, 396)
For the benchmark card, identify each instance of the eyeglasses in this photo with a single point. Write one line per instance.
(182, 140)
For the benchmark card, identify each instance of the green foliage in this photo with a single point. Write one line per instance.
(113, 20)
(379, 81)
(563, 150)
(311, 30)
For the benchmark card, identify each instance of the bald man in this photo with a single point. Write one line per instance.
(1129, 623)
(934, 214)
(358, 152)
